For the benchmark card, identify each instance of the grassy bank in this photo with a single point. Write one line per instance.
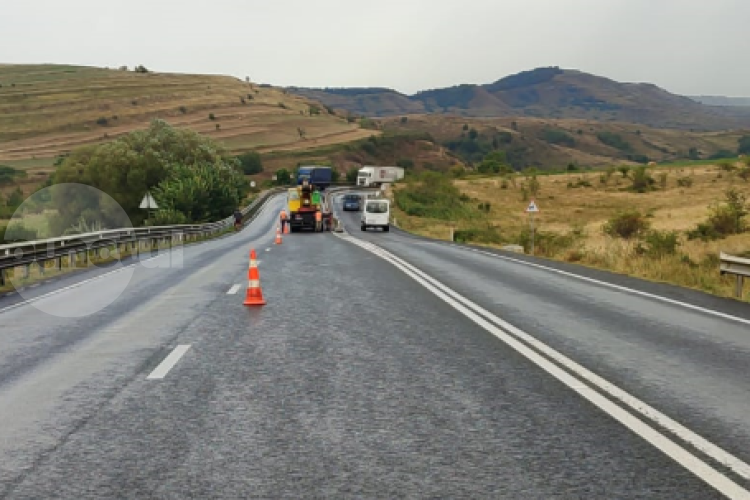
(576, 208)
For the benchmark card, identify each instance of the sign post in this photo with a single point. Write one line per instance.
(531, 210)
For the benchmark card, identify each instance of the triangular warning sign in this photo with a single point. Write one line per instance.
(532, 207)
(149, 202)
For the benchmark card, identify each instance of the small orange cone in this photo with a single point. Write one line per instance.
(278, 235)
(286, 228)
(254, 296)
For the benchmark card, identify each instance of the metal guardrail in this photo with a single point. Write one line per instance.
(737, 266)
(14, 255)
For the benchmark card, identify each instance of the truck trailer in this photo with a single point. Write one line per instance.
(371, 176)
(316, 175)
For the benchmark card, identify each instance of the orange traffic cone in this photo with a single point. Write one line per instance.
(254, 296)
(286, 228)
(278, 235)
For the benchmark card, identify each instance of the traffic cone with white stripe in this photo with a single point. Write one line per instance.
(254, 296)
(278, 235)
(286, 228)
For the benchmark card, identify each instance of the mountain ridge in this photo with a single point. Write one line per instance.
(549, 92)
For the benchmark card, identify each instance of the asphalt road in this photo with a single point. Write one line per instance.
(355, 380)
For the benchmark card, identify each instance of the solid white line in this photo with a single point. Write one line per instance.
(76, 285)
(233, 290)
(610, 285)
(161, 371)
(662, 442)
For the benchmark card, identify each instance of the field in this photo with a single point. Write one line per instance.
(47, 110)
(570, 224)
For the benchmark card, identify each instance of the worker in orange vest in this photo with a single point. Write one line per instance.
(283, 218)
(318, 220)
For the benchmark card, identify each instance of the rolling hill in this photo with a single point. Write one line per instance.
(46, 110)
(542, 93)
(553, 143)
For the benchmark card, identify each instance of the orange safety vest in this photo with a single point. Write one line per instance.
(318, 217)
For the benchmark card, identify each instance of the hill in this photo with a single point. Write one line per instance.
(552, 143)
(542, 93)
(46, 110)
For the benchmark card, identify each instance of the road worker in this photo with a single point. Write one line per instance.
(284, 219)
(318, 221)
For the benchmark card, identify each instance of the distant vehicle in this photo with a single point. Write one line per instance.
(318, 176)
(376, 213)
(352, 202)
(377, 176)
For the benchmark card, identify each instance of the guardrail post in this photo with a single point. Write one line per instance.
(2, 277)
(738, 286)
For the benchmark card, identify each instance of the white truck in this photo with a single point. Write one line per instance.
(370, 176)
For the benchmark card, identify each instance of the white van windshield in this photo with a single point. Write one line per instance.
(377, 207)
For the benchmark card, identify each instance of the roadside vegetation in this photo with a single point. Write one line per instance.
(665, 224)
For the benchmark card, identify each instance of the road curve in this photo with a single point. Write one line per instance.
(354, 380)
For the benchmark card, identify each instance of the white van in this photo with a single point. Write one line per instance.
(376, 213)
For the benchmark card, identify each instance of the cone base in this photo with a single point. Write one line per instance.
(254, 302)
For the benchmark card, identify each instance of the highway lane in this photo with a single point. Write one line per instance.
(353, 381)
(689, 364)
(67, 353)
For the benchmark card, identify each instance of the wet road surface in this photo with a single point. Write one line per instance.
(354, 381)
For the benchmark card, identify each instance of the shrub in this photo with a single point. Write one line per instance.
(727, 166)
(659, 243)
(685, 181)
(545, 243)
(282, 105)
(723, 220)
(314, 110)
(140, 69)
(102, 121)
(404, 120)
(405, 163)
(183, 109)
(478, 235)
(642, 180)
(211, 116)
(626, 225)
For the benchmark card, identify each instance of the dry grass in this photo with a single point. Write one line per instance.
(584, 211)
(47, 110)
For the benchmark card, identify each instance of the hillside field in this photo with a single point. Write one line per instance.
(570, 224)
(47, 110)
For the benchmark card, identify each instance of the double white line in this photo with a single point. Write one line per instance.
(590, 386)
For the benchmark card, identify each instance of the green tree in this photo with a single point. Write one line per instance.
(283, 177)
(128, 167)
(351, 175)
(203, 192)
(495, 162)
(473, 134)
(251, 163)
(405, 163)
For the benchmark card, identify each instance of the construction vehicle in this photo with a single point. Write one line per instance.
(305, 202)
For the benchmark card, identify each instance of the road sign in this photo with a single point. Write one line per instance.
(149, 202)
(532, 208)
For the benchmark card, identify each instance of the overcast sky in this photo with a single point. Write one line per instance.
(685, 46)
